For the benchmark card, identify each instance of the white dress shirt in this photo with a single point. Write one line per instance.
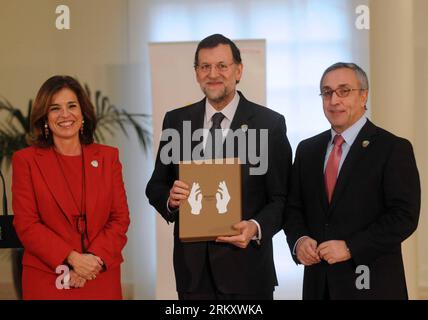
(228, 112)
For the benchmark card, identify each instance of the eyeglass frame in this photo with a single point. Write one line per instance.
(217, 68)
(331, 91)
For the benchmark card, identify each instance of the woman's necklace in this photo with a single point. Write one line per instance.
(81, 221)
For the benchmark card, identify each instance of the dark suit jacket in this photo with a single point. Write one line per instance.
(375, 206)
(235, 270)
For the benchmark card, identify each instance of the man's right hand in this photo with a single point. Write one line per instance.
(179, 191)
(306, 251)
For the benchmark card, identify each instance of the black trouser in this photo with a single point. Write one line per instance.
(207, 289)
(326, 295)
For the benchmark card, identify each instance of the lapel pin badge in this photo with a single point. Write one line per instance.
(244, 127)
(94, 163)
(365, 143)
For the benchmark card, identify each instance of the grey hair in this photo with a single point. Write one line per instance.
(359, 73)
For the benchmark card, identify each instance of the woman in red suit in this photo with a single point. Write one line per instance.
(69, 200)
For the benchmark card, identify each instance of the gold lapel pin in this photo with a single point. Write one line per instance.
(244, 127)
(94, 163)
(365, 143)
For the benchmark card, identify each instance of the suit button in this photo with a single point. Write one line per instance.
(326, 225)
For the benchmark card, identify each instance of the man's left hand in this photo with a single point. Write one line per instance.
(334, 251)
(247, 229)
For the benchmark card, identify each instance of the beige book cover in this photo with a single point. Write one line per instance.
(214, 203)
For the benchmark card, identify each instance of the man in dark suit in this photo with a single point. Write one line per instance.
(354, 197)
(242, 266)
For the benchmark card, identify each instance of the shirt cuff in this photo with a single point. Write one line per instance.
(258, 236)
(295, 245)
(169, 210)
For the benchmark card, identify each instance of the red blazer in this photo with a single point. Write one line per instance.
(43, 207)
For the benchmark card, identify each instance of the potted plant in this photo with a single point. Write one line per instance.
(15, 125)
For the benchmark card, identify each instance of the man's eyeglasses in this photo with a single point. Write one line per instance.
(220, 67)
(340, 92)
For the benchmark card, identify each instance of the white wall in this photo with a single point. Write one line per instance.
(420, 28)
(399, 62)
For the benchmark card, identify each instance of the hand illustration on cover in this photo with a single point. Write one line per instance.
(195, 199)
(222, 197)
